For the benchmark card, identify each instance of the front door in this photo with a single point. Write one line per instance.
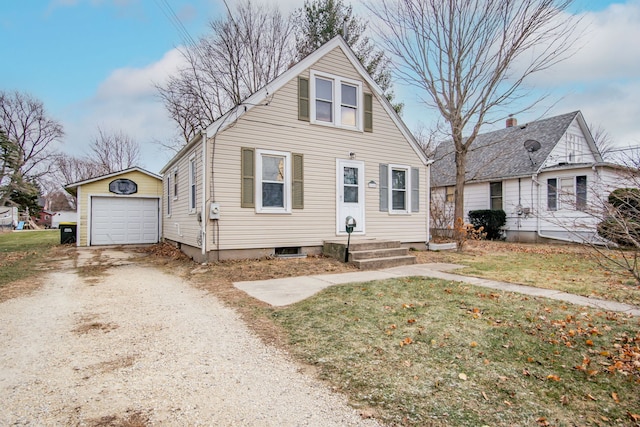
(350, 194)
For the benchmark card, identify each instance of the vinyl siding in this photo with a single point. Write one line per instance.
(582, 153)
(148, 186)
(182, 225)
(276, 127)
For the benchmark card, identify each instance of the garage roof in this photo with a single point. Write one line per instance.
(73, 187)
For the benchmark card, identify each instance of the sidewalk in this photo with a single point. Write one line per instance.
(281, 292)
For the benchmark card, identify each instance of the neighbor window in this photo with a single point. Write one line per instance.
(450, 194)
(552, 194)
(495, 195)
(336, 100)
(192, 184)
(581, 192)
(273, 184)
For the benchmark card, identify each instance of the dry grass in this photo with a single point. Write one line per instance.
(132, 418)
(568, 268)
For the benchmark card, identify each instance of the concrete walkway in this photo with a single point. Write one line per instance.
(281, 292)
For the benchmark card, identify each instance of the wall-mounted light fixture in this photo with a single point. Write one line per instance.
(352, 155)
(373, 184)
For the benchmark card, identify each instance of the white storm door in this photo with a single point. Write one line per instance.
(350, 194)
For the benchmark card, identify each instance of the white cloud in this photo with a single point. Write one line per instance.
(126, 101)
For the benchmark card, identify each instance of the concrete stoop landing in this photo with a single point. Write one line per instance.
(370, 254)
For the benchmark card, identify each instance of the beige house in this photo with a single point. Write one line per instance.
(281, 172)
(118, 208)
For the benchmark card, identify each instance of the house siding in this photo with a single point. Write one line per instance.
(148, 186)
(560, 152)
(275, 126)
(182, 225)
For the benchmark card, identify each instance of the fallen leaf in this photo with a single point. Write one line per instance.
(506, 402)
(411, 321)
(589, 342)
(591, 397)
(564, 400)
(473, 344)
(542, 421)
(462, 376)
(485, 396)
(553, 377)
(614, 396)
(634, 417)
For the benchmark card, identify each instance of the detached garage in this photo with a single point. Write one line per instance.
(120, 208)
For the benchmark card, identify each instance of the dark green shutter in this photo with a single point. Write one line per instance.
(384, 188)
(415, 190)
(303, 98)
(247, 186)
(298, 181)
(368, 112)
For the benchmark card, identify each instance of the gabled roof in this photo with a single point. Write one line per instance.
(261, 95)
(71, 187)
(501, 154)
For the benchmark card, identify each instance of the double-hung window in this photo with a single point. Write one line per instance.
(168, 198)
(175, 183)
(273, 183)
(495, 195)
(552, 194)
(336, 101)
(581, 192)
(192, 184)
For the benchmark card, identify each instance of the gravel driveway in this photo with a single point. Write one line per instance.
(135, 346)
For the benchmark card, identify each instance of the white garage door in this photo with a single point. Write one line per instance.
(123, 220)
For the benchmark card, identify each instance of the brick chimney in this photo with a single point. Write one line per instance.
(511, 122)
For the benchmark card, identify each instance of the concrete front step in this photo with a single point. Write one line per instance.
(376, 253)
(370, 254)
(387, 262)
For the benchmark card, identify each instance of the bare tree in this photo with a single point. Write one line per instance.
(244, 51)
(471, 57)
(28, 138)
(602, 138)
(112, 152)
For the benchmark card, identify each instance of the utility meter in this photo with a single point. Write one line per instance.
(214, 211)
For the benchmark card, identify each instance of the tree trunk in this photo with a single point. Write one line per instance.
(458, 195)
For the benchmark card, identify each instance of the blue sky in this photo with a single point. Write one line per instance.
(93, 63)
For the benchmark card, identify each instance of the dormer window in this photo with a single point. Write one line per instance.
(335, 101)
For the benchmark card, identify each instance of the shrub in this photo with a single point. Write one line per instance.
(622, 225)
(490, 220)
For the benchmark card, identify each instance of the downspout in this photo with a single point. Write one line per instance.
(534, 178)
(428, 204)
(205, 214)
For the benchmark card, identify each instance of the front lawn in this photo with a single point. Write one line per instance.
(417, 351)
(568, 268)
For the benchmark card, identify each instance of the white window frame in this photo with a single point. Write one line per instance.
(192, 184)
(337, 103)
(175, 183)
(286, 209)
(407, 189)
(491, 197)
(169, 206)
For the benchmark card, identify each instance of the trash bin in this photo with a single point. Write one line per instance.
(67, 233)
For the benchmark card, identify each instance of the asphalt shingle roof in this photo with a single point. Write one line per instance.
(501, 154)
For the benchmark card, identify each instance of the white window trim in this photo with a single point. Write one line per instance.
(337, 100)
(192, 183)
(169, 200)
(407, 169)
(501, 194)
(175, 183)
(287, 182)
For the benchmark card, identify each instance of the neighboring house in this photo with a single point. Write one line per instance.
(63, 216)
(546, 175)
(43, 219)
(281, 172)
(8, 217)
(118, 208)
